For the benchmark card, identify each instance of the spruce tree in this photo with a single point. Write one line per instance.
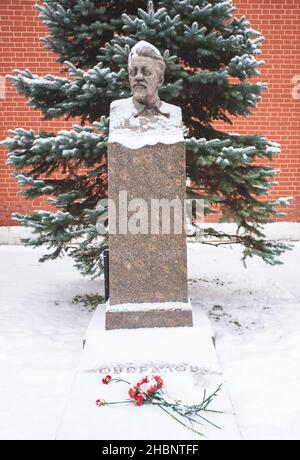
(211, 56)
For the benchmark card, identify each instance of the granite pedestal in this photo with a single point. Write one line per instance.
(149, 268)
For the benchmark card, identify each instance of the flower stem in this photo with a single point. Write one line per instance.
(118, 402)
(120, 380)
(179, 421)
(215, 411)
(203, 418)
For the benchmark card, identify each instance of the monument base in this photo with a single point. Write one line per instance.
(186, 360)
(140, 315)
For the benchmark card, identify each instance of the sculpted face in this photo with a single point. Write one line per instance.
(145, 79)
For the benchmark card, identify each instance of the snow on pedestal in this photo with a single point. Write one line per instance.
(155, 314)
(184, 357)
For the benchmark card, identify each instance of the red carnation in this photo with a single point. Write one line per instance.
(132, 393)
(159, 381)
(106, 379)
(142, 381)
(152, 389)
(139, 400)
(99, 402)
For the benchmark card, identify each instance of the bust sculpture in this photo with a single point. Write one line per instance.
(144, 119)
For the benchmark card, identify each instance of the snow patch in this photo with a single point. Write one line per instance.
(142, 44)
(41, 334)
(158, 306)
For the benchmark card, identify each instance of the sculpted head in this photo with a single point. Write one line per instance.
(146, 70)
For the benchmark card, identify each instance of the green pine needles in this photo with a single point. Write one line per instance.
(210, 56)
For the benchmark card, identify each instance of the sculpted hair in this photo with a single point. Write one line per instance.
(146, 51)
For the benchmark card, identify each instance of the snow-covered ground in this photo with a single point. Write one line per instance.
(255, 313)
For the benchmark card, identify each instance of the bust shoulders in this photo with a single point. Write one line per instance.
(165, 106)
(127, 105)
(119, 103)
(136, 131)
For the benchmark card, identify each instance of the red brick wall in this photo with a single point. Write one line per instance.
(277, 116)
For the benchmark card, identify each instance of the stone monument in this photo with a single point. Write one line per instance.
(147, 187)
(148, 280)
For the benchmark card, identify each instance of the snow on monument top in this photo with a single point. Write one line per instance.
(136, 132)
(140, 45)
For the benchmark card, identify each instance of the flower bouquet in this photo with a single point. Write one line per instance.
(149, 390)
